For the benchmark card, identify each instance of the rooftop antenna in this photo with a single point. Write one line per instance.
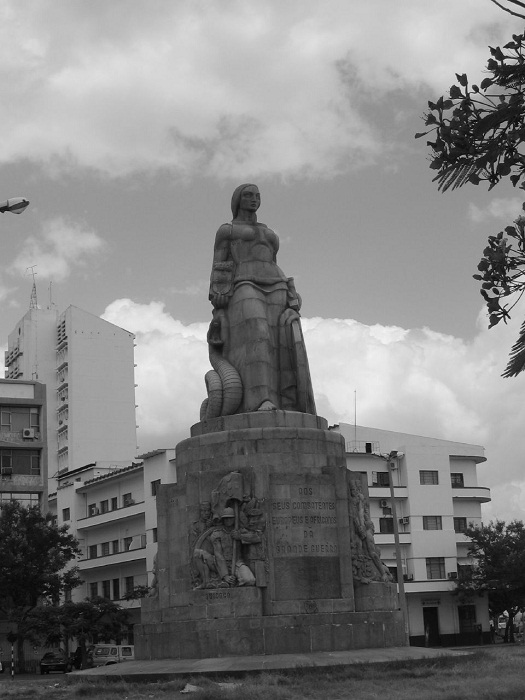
(34, 302)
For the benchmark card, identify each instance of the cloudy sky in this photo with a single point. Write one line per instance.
(128, 123)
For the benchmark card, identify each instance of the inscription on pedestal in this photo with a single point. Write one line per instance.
(304, 540)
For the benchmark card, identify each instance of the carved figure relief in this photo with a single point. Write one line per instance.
(366, 556)
(228, 544)
(255, 341)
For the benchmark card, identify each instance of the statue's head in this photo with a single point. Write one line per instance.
(236, 197)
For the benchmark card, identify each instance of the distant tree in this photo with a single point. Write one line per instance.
(497, 551)
(34, 554)
(88, 622)
(480, 136)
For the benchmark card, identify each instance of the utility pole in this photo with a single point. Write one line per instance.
(392, 462)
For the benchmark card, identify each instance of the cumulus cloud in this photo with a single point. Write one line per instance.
(61, 246)
(505, 209)
(415, 381)
(223, 89)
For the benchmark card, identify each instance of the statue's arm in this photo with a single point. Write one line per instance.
(221, 281)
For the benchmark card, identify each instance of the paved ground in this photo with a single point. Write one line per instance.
(165, 669)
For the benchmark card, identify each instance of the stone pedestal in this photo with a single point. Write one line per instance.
(292, 473)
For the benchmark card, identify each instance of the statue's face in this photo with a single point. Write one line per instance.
(250, 198)
(228, 522)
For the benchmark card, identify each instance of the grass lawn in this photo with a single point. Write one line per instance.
(492, 673)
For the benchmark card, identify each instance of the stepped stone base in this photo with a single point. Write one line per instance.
(303, 597)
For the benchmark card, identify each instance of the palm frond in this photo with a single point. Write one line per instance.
(516, 363)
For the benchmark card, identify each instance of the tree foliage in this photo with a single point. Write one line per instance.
(34, 554)
(479, 133)
(497, 551)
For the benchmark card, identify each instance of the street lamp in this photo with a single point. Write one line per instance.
(15, 205)
(392, 462)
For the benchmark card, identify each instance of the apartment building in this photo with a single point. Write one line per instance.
(88, 368)
(436, 496)
(23, 449)
(111, 510)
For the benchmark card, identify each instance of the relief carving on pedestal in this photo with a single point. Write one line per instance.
(228, 543)
(366, 556)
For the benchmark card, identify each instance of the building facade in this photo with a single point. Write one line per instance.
(87, 365)
(23, 446)
(111, 510)
(436, 497)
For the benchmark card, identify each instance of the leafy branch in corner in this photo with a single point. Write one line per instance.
(479, 133)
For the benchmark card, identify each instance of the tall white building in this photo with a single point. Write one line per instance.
(436, 496)
(88, 368)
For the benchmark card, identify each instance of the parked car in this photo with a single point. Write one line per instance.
(55, 661)
(106, 654)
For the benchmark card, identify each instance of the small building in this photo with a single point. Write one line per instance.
(436, 496)
(23, 444)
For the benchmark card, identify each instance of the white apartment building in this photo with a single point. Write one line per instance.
(112, 511)
(436, 497)
(87, 365)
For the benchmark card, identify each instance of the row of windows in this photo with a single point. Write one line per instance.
(20, 462)
(16, 418)
(110, 504)
(117, 546)
(430, 522)
(26, 499)
(110, 588)
(426, 477)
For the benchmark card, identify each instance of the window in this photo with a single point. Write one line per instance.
(114, 546)
(154, 534)
(393, 571)
(67, 595)
(26, 499)
(93, 590)
(21, 461)
(467, 618)
(92, 509)
(154, 486)
(428, 477)
(460, 524)
(383, 479)
(435, 567)
(66, 514)
(127, 543)
(93, 551)
(17, 418)
(104, 506)
(127, 500)
(116, 589)
(432, 522)
(129, 583)
(106, 589)
(456, 479)
(386, 525)
(114, 503)
(104, 549)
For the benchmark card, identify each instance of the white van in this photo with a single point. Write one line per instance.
(106, 654)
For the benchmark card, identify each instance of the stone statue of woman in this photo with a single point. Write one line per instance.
(255, 340)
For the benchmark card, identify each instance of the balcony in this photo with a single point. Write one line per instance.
(382, 538)
(113, 559)
(111, 516)
(384, 492)
(481, 494)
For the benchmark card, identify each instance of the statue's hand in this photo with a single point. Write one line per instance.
(230, 580)
(219, 301)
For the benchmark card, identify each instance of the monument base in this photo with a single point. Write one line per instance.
(283, 475)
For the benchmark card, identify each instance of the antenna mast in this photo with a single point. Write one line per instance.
(33, 304)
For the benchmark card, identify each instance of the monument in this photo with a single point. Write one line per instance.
(265, 543)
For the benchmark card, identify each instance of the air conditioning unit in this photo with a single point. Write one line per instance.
(383, 503)
(28, 433)
(7, 471)
(408, 577)
(452, 574)
(404, 521)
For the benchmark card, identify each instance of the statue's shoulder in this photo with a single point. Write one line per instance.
(224, 233)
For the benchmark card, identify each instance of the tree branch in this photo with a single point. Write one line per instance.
(506, 9)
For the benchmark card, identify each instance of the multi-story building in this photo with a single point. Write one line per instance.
(23, 450)
(111, 510)
(87, 366)
(436, 496)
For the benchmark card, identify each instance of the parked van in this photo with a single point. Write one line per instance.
(106, 654)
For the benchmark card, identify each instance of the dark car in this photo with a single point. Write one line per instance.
(55, 661)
